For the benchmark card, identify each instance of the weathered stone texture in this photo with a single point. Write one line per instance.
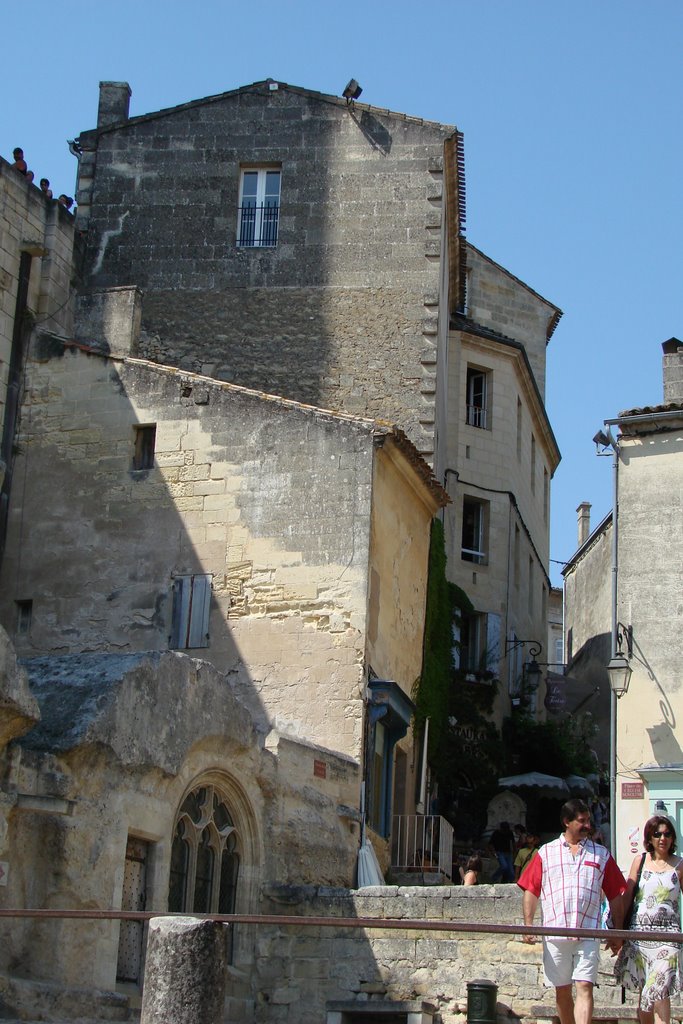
(18, 707)
(352, 349)
(672, 367)
(334, 314)
(501, 302)
(315, 966)
(185, 972)
(31, 223)
(273, 500)
(121, 741)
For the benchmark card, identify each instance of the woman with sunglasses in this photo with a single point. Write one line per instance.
(654, 968)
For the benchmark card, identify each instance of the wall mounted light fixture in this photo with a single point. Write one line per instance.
(619, 670)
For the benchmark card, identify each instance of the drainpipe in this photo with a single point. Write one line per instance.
(607, 440)
(613, 696)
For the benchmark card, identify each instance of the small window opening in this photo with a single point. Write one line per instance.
(24, 616)
(145, 440)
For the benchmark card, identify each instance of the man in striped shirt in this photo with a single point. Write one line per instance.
(569, 875)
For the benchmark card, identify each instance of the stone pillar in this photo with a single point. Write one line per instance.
(185, 972)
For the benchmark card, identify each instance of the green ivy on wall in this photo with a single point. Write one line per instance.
(465, 751)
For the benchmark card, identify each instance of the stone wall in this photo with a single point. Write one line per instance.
(342, 311)
(122, 740)
(649, 600)
(272, 500)
(588, 597)
(298, 971)
(41, 228)
(498, 300)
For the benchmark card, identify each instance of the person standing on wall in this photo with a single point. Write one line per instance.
(569, 875)
(502, 842)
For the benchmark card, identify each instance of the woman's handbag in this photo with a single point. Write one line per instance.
(628, 916)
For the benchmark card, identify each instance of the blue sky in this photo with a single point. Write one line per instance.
(572, 120)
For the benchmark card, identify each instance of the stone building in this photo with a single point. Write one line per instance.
(286, 545)
(624, 594)
(314, 248)
(36, 247)
(284, 240)
(497, 460)
(215, 573)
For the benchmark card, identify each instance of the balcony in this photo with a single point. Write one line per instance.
(258, 225)
(422, 848)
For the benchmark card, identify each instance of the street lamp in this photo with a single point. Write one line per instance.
(619, 670)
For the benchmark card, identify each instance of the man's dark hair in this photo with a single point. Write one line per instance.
(572, 809)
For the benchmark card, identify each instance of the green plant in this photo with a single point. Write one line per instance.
(554, 747)
(464, 746)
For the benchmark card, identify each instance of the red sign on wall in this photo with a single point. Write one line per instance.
(320, 769)
(632, 790)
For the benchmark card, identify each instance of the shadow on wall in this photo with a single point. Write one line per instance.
(298, 317)
(587, 691)
(147, 504)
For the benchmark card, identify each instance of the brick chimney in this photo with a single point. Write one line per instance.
(114, 103)
(672, 371)
(584, 521)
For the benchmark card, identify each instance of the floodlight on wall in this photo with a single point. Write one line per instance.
(604, 439)
(619, 670)
(352, 91)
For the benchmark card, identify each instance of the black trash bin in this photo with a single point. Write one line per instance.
(482, 996)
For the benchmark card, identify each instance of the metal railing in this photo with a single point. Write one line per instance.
(476, 416)
(381, 923)
(258, 225)
(423, 844)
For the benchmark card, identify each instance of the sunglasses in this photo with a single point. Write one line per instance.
(662, 835)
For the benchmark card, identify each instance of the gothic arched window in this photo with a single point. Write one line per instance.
(205, 856)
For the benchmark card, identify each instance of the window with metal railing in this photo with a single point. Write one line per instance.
(477, 397)
(259, 208)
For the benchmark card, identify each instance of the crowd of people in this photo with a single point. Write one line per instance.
(21, 166)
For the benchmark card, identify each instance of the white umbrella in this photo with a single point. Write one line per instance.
(579, 786)
(368, 869)
(546, 785)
